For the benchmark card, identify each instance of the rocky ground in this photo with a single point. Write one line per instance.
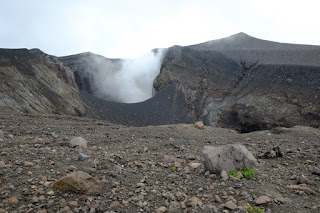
(151, 169)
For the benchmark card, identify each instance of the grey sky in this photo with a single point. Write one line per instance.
(123, 28)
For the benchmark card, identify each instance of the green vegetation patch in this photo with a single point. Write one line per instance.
(254, 209)
(248, 173)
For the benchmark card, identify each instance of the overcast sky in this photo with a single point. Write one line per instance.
(123, 28)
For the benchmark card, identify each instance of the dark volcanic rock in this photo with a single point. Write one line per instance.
(245, 83)
(167, 107)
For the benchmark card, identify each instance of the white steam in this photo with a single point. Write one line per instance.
(129, 80)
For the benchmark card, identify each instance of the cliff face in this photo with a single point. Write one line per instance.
(245, 83)
(32, 81)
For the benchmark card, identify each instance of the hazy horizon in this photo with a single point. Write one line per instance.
(127, 29)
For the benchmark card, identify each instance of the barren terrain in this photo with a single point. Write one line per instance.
(148, 169)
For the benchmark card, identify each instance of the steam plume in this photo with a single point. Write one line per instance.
(128, 81)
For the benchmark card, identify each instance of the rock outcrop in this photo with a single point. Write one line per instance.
(245, 83)
(32, 81)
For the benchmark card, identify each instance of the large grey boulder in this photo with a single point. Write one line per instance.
(229, 157)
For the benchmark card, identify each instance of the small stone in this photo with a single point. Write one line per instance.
(303, 179)
(83, 156)
(50, 193)
(28, 164)
(114, 205)
(293, 187)
(34, 199)
(224, 175)
(13, 200)
(283, 200)
(73, 203)
(194, 165)
(194, 201)
(169, 159)
(190, 156)
(1, 134)
(2, 164)
(37, 145)
(263, 199)
(176, 164)
(230, 205)
(62, 203)
(2, 210)
(161, 209)
(79, 182)
(65, 209)
(217, 199)
(199, 125)
(141, 185)
(78, 141)
(54, 135)
(316, 171)
(42, 211)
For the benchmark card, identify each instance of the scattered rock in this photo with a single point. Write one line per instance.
(316, 171)
(194, 201)
(65, 209)
(194, 165)
(62, 203)
(79, 182)
(37, 145)
(28, 164)
(199, 125)
(13, 200)
(224, 175)
(229, 157)
(282, 200)
(275, 152)
(78, 141)
(303, 179)
(169, 159)
(1, 134)
(83, 156)
(161, 209)
(230, 205)
(2, 164)
(263, 199)
(34, 199)
(114, 205)
(190, 156)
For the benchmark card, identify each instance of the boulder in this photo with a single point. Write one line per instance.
(229, 157)
(79, 182)
(199, 125)
(78, 141)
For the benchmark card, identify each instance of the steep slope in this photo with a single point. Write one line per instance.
(245, 83)
(32, 81)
